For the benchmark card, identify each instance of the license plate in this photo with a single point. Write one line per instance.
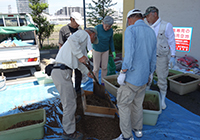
(9, 65)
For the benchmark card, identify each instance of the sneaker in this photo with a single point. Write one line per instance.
(78, 118)
(73, 136)
(122, 138)
(138, 133)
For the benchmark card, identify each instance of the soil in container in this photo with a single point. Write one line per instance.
(92, 99)
(185, 79)
(114, 82)
(149, 105)
(24, 123)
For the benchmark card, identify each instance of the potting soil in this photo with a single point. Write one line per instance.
(185, 79)
(24, 123)
(93, 99)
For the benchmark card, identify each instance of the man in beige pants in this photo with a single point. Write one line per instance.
(71, 56)
(139, 62)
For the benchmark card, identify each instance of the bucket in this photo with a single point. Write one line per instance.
(2, 83)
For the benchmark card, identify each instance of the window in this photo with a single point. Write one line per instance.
(22, 22)
(11, 21)
(1, 22)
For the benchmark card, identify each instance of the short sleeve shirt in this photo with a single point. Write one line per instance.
(65, 32)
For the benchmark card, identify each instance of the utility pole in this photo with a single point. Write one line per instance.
(84, 14)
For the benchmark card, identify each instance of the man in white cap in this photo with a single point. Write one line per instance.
(65, 32)
(139, 62)
(165, 43)
(71, 56)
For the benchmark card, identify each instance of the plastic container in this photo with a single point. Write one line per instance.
(183, 88)
(35, 131)
(111, 84)
(171, 73)
(150, 117)
(2, 83)
(43, 78)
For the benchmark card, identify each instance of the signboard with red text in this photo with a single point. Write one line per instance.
(183, 37)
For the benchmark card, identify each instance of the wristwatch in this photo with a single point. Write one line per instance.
(121, 71)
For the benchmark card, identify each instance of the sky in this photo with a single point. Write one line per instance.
(54, 5)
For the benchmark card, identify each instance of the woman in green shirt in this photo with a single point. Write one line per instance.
(101, 50)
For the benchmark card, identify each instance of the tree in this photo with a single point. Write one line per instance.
(45, 28)
(97, 13)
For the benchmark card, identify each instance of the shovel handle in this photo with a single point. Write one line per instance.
(88, 66)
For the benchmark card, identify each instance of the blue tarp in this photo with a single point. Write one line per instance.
(175, 122)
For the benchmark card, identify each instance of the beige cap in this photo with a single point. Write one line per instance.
(94, 31)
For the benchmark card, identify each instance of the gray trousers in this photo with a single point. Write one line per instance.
(162, 71)
(63, 82)
(129, 101)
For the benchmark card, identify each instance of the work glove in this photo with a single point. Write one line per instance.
(114, 55)
(89, 54)
(172, 62)
(121, 78)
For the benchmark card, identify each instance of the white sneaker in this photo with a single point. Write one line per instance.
(138, 133)
(122, 138)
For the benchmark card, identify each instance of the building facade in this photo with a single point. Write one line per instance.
(68, 10)
(174, 11)
(23, 6)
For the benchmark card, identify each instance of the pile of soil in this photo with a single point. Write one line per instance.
(185, 79)
(97, 127)
(94, 100)
(24, 123)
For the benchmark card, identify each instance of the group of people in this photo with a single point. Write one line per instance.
(75, 46)
(147, 49)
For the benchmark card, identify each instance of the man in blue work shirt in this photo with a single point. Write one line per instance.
(139, 62)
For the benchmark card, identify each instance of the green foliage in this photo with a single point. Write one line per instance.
(117, 37)
(45, 28)
(99, 11)
(49, 47)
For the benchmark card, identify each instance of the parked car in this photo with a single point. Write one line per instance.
(18, 43)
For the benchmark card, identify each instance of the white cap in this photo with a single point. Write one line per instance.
(77, 17)
(131, 12)
(134, 11)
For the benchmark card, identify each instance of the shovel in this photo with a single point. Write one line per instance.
(98, 89)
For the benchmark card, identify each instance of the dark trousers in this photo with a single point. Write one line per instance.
(78, 78)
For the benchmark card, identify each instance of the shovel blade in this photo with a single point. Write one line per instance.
(99, 90)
